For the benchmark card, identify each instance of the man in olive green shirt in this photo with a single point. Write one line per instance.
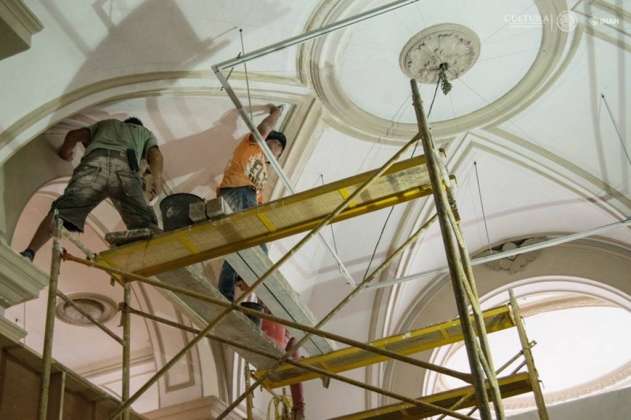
(109, 169)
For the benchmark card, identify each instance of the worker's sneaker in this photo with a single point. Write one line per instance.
(28, 253)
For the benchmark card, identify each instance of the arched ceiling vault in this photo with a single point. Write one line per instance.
(529, 114)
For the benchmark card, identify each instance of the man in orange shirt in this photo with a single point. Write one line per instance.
(244, 180)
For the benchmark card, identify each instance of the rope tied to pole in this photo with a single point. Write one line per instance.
(282, 407)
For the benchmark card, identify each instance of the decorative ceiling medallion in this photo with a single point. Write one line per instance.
(99, 307)
(447, 43)
(343, 113)
(515, 263)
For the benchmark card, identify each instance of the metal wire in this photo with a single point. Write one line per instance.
(245, 67)
(486, 227)
(615, 126)
(385, 223)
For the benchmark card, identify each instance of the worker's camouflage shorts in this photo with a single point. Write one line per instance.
(100, 175)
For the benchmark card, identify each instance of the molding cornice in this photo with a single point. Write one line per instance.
(20, 280)
(23, 15)
(344, 115)
(17, 26)
(556, 260)
(139, 357)
(195, 83)
(506, 146)
(613, 378)
(203, 408)
(11, 330)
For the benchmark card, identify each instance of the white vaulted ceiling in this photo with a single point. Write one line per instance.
(529, 113)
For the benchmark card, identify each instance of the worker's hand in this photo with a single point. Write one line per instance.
(66, 153)
(273, 108)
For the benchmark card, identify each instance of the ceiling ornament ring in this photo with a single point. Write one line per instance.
(315, 69)
(100, 307)
(450, 43)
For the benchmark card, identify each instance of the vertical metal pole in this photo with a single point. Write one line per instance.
(126, 344)
(56, 396)
(477, 314)
(55, 266)
(533, 375)
(248, 402)
(452, 252)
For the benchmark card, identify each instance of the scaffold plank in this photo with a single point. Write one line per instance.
(509, 386)
(404, 181)
(278, 296)
(415, 341)
(235, 326)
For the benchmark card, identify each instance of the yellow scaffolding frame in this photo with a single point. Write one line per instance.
(136, 261)
(382, 349)
(408, 343)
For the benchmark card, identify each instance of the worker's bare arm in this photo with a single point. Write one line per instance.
(155, 160)
(81, 135)
(270, 121)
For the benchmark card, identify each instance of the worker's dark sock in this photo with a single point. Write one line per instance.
(28, 253)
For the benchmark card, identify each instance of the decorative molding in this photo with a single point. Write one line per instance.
(23, 15)
(200, 409)
(606, 21)
(508, 147)
(113, 365)
(569, 55)
(160, 348)
(613, 378)
(516, 263)
(138, 85)
(100, 307)
(557, 169)
(302, 132)
(11, 330)
(449, 43)
(17, 25)
(595, 262)
(20, 280)
(347, 117)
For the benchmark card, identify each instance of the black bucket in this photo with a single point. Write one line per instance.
(174, 209)
(257, 307)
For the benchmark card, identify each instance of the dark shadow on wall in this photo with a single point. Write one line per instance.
(37, 163)
(153, 37)
(203, 155)
(25, 173)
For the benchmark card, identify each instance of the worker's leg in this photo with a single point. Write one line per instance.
(41, 236)
(128, 197)
(227, 280)
(85, 191)
(238, 199)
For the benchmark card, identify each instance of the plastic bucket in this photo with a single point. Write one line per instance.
(174, 209)
(276, 332)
